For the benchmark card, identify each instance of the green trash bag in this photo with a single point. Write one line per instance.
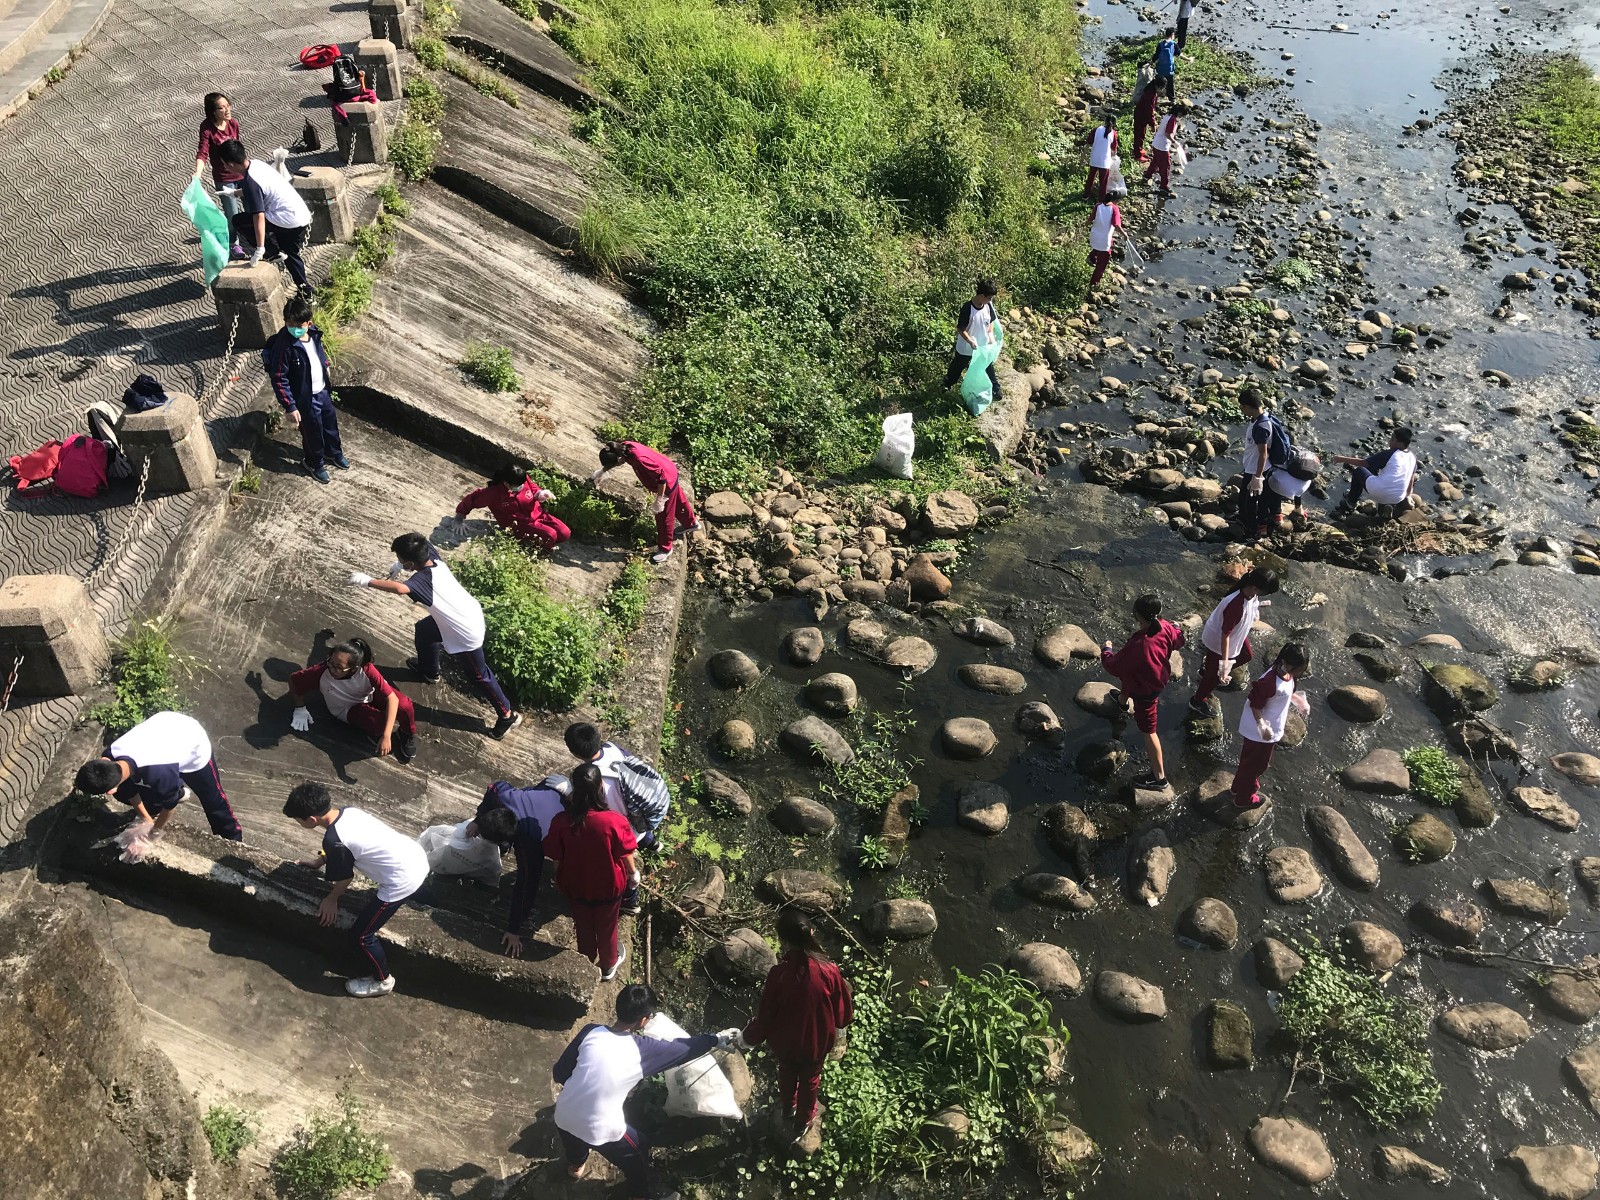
(211, 224)
(976, 389)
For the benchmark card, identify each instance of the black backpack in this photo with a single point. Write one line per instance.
(1304, 465)
(346, 77)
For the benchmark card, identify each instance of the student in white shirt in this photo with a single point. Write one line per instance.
(974, 328)
(1161, 145)
(1266, 713)
(1102, 149)
(353, 839)
(277, 217)
(1388, 477)
(153, 766)
(1102, 237)
(454, 623)
(1185, 11)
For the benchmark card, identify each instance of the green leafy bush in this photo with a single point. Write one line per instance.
(490, 367)
(229, 1131)
(589, 514)
(545, 652)
(879, 769)
(1363, 1039)
(425, 101)
(331, 1154)
(1435, 776)
(346, 296)
(146, 672)
(414, 147)
(431, 52)
(627, 597)
(388, 195)
(439, 17)
(872, 853)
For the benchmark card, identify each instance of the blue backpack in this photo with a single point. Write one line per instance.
(1279, 444)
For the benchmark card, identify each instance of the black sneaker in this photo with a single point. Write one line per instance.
(505, 725)
(406, 750)
(631, 906)
(415, 667)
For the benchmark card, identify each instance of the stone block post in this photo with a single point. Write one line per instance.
(326, 194)
(253, 294)
(365, 127)
(49, 622)
(394, 21)
(174, 439)
(381, 62)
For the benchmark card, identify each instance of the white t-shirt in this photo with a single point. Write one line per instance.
(1101, 150)
(611, 755)
(1390, 484)
(267, 192)
(1287, 486)
(980, 325)
(1275, 711)
(358, 841)
(1166, 130)
(1238, 613)
(1185, 9)
(341, 695)
(457, 611)
(1101, 233)
(313, 364)
(165, 739)
(590, 1104)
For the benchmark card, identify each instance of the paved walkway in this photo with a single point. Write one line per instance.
(100, 280)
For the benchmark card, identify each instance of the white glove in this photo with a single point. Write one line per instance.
(596, 477)
(731, 1039)
(1225, 670)
(301, 721)
(1301, 704)
(661, 503)
(135, 851)
(396, 569)
(633, 879)
(139, 831)
(544, 496)
(357, 579)
(257, 256)
(1254, 486)
(1264, 728)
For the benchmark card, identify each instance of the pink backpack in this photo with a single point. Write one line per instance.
(81, 470)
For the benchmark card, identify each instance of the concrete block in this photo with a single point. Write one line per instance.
(49, 622)
(174, 439)
(380, 60)
(394, 21)
(365, 127)
(326, 194)
(254, 295)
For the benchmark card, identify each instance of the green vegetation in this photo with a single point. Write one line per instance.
(879, 769)
(872, 854)
(389, 196)
(1435, 776)
(1360, 1037)
(816, 184)
(431, 52)
(588, 513)
(229, 1130)
(481, 77)
(345, 297)
(627, 597)
(439, 17)
(55, 75)
(414, 147)
(1230, 189)
(545, 652)
(146, 671)
(249, 481)
(425, 101)
(1581, 437)
(490, 367)
(1293, 274)
(985, 1042)
(330, 1155)
(527, 9)
(1203, 67)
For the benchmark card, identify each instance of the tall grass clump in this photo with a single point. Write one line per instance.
(146, 670)
(815, 185)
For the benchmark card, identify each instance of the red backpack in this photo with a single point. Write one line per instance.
(82, 468)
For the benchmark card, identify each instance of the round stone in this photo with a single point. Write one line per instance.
(800, 816)
(737, 738)
(1048, 968)
(1293, 1149)
(998, 681)
(803, 646)
(901, 920)
(1357, 703)
(1130, 997)
(733, 669)
(834, 693)
(967, 737)
(1211, 923)
(985, 807)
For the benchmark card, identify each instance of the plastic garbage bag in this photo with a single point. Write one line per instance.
(698, 1088)
(1131, 255)
(976, 389)
(451, 852)
(212, 226)
(1116, 185)
(899, 442)
(1180, 156)
(136, 841)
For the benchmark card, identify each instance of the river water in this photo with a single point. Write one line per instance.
(1168, 1125)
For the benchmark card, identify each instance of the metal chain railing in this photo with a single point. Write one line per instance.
(127, 530)
(11, 682)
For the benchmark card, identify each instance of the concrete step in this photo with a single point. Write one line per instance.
(38, 37)
(491, 31)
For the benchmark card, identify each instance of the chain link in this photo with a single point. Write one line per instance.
(218, 390)
(127, 531)
(11, 682)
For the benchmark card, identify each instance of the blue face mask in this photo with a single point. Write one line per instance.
(298, 331)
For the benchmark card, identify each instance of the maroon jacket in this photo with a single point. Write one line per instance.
(515, 511)
(804, 1004)
(1144, 665)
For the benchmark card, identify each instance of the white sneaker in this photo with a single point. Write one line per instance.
(660, 556)
(622, 957)
(369, 986)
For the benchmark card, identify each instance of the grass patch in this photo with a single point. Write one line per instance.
(425, 101)
(546, 653)
(249, 481)
(816, 184)
(331, 1154)
(1293, 274)
(985, 1042)
(229, 1131)
(482, 78)
(439, 17)
(879, 768)
(1581, 437)
(389, 196)
(627, 597)
(414, 147)
(146, 670)
(1246, 310)
(588, 513)
(1204, 67)
(490, 367)
(1435, 776)
(431, 52)
(873, 854)
(1364, 1040)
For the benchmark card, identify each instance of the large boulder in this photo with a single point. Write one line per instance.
(803, 646)
(911, 656)
(866, 635)
(1557, 1172)
(806, 889)
(997, 681)
(1293, 1149)
(949, 514)
(1048, 968)
(985, 807)
(1101, 699)
(1486, 1025)
(1525, 898)
(799, 816)
(1424, 839)
(983, 632)
(1211, 923)
(1372, 947)
(834, 693)
(1230, 1036)
(1547, 806)
(1130, 997)
(1453, 920)
(1292, 877)
(967, 737)
(1150, 867)
(1351, 859)
(724, 794)
(733, 669)
(1578, 767)
(1059, 645)
(1357, 703)
(1276, 963)
(814, 737)
(1056, 891)
(1037, 719)
(1573, 993)
(901, 920)
(742, 958)
(726, 508)
(925, 580)
(1453, 691)
(1382, 772)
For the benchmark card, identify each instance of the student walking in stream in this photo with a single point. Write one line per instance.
(1161, 151)
(356, 693)
(1144, 118)
(1261, 725)
(353, 839)
(1226, 636)
(276, 218)
(1266, 445)
(1165, 62)
(299, 369)
(1102, 237)
(596, 858)
(974, 327)
(658, 474)
(454, 624)
(597, 1072)
(1102, 149)
(517, 504)
(1388, 477)
(1185, 11)
(154, 767)
(519, 818)
(805, 1001)
(217, 130)
(1143, 668)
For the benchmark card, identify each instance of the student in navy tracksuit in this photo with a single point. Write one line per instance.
(299, 369)
(155, 765)
(520, 818)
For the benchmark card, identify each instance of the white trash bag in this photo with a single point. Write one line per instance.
(1116, 185)
(451, 852)
(1180, 156)
(698, 1088)
(1131, 255)
(899, 442)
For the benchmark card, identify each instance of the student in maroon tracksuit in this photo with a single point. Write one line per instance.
(1262, 723)
(1144, 118)
(517, 504)
(356, 693)
(1144, 667)
(596, 857)
(804, 1003)
(659, 476)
